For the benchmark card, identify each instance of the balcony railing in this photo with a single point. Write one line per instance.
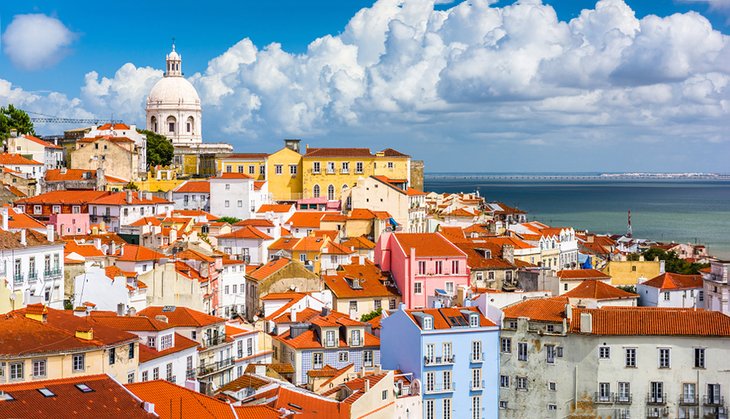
(18, 278)
(208, 342)
(599, 397)
(206, 369)
(330, 171)
(441, 388)
(438, 360)
(656, 412)
(688, 400)
(32, 276)
(171, 379)
(477, 357)
(476, 385)
(656, 398)
(190, 374)
(715, 412)
(713, 400)
(345, 171)
(52, 272)
(622, 398)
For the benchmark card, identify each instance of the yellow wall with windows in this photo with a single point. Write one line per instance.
(242, 166)
(392, 167)
(629, 272)
(284, 186)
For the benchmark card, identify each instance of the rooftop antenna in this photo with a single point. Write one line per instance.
(629, 231)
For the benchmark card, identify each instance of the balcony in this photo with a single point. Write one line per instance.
(438, 360)
(688, 400)
(657, 412)
(190, 374)
(477, 357)
(171, 379)
(599, 397)
(441, 388)
(48, 273)
(214, 341)
(622, 398)
(476, 385)
(32, 276)
(18, 278)
(713, 401)
(345, 171)
(330, 171)
(715, 412)
(206, 369)
(657, 399)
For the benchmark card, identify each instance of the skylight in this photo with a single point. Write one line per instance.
(84, 388)
(46, 392)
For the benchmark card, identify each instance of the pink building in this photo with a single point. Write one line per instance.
(421, 264)
(70, 224)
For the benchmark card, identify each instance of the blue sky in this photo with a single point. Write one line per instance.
(471, 106)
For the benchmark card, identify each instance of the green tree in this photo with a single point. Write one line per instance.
(229, 220)
(131, 186)
(628, 288)
(672, 262)
(159, 149)
(14, 118)
(369, 316)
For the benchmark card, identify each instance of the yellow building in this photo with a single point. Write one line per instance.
(252, 164)
(43, 343)
(629, 272)
(117, 156)
(284, 173)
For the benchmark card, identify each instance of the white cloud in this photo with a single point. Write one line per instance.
(36, 41)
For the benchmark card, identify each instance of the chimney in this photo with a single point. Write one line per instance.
(149, 407)
(161, 318)
(50, 233)
(148, 196)
(590, 238)
(508, 253)
(113, 249)
(586, 323)
(293, 314)
(97, 243)
(129, 196)
(5, 216)
(292, 144)
(23, 241)
(367, 386)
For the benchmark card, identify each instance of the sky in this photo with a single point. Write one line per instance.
(475, 86)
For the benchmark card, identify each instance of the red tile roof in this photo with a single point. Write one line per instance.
(60, 175)
(42, 142)
(247, 232)
(181, 343)
(306, 219)
(362, 214)
(173, 402)
(427, 245)
(441, 316)
(245, 156)
(275, 208)
(268, 269)
(117, 126)
(304, 404)
(120, 198)
(672, 281)
(389, 152)
(255, 222)
(581, 274)
(194, 186)
(134, 253)
(16, 159)
(338, 152)
(108, 399)
(182, 316)
(63, 197)
(359, 243)
(358, 281)
(17, 220)
(653, 321)
(129, 323)
(590, 288)
(539, 309)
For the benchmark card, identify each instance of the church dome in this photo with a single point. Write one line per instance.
(173, 90)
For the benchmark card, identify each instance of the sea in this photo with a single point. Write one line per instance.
(689, 209)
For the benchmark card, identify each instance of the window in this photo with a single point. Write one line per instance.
(130, 377)
(503, 404)
(490, 276)
(476, 378)
(713, 394)
(390, 165)
(631, 357)
(701, 295)
(251, 170)
(552, 386)
(39, 368)
(476, 350)
(345, 167)
(156, 373)
(604, 352)
(278, 169)
(446, 351)
(330, 338)
(112, 356)
(228, 203)
(417, 287)
(522, 351)
(666, 296)
(315, 191)
(353, 305)
(455, 266)
(316, 167)
(664, 361)
(330, 167)
(447, 409)
(430, 381)
(56, 209)
(151, 341)
(447, 380)
(604, 392)
(473, 318)
(429, 409)
(624, 391)
(565, 287)
(16, 370)
(427, 323)
(439, 267)
(421, 267)
(131, 350)
(165, 342)
(76, 209)
(506, 345)
(550, 328)
(317, 360)
(550, 354)
(367, 358)
(79, 362)
(521, 383)
(699, 357)
(331, 192)
(292, 169)
(37, 209)
(168, 371)
(355, 339)
(145, 376)
(429, 353)
(504, 381)
(240, 169)
(358, 167)
(378, 304)
(384, 395)
(476, 407)
(656, 393)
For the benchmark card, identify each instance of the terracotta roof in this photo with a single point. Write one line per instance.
(357, 386)
(17, 220)
(375, 322)
(334, 218)
(193, 213)
(181, 343)
(581, 274)
(358, 281)
(247, 232)
(460, 212)
(107, 399)
(120, 198)
(333, 248)
(275, 208)
(278, 367)
(359, 243)
(284, 243)
(129, 323)
(653, 321)
(414, 192)
(338, 152)
(155, 221)
(306, 219)
(442, 316)
(188, 271)
(182, 316)
(255, 222)
(304, 404)
(427, 245)
(310, 244)
(245, 156)
(539, 309)
(389, 152)
(590, 288)
(362, 214)
(63, 197)
(61, 175)
(453, 234)
(134, 253)
(16, 159)
(308, 340)
(194, 186)
(42, 142)
(109, 138)
(672, 281)
(117, 126)
(243, 382)
(173, 402)
(11, 240)
(268, 269)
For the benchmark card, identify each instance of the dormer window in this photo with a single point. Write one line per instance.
(473, 320)
(329, 340)
(427, 323)
(355, 339)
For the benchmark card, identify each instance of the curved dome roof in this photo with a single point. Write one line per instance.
(173, 90)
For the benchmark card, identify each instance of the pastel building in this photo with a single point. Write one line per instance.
(453, 352)
(672, 290)
(424, 266)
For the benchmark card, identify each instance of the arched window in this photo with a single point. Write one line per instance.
(190, 124)
(344, 188)
(153, 123)
(171, 124)
(315, 191)
(331, 192)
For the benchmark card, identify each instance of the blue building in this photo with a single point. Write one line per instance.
(453, 352)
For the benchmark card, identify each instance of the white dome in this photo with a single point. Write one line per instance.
(173, 90)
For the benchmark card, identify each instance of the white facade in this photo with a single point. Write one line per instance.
(118, 215)
(247, 349)
(232, 289)
(232, 197)
(408, 209)
(39, 150)
(30, 171)
(173, 106)
(253, 251)
(176, 367)
(717, 287)
(683, 298)
(108, 294)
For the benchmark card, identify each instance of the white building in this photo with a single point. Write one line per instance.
(616, 362)
(247, 347)
(27, 168)
(232, 289)
(379, 193)
(717, 287)
(672, 290)
(104, 288)
(192, 195)
(173, 105)
(246, 243)
(232, 195)
(123, 208)
(51, 155)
